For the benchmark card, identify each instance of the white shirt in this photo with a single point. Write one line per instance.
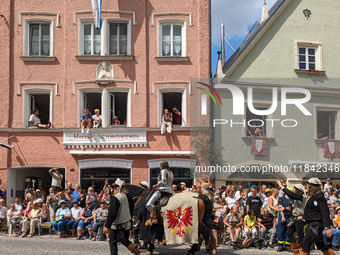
(18, 207)
(96, 117)
(3, 211)
(231, 201)
(34, 118)
(15, 213)
(76, 212)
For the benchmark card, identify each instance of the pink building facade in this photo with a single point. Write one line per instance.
(139, 63)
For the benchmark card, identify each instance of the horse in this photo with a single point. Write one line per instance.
(139, 195)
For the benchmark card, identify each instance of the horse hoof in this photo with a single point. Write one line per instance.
(148, 253)
(213, 252)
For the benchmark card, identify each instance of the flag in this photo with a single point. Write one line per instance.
(97, 13)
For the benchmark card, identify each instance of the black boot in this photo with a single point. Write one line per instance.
(280, 248)
(288, 248)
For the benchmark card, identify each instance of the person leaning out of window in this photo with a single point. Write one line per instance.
(166, 122)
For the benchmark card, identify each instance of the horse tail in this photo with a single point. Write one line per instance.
(207, 220)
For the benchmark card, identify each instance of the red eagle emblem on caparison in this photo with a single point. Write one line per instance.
(179, 222)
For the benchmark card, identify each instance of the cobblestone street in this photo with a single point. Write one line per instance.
(52, 246)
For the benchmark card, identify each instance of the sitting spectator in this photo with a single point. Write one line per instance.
(115, 121)
(86, 121)
(97, 119)
(3, 212)
(121, 118)
(62, 217)
(254, 131)
(15, 218)
(333, 200)
(166, 122)
(267, 223)
(75, 211)
(82, 198)
(93, 197)
(30, 196)
(177, 116)
(28, 209)
(44, 208)
(32, 220)
(100, 216)
(335, 231)
(250, 224)
(86, 219)
(18, 205)
(52, 202)
(336, 219)
(38, 195)
(34, 120)
(233, 221)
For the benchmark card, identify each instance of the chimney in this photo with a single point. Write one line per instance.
(222, 44)
(265, 14)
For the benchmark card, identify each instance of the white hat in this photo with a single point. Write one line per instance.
(39, 200)
(301, 188)
(183, 183)
(119, 182)
(314, 182)
(145, 184)
(37, 190)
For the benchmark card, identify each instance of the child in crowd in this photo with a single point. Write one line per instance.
(249, 224)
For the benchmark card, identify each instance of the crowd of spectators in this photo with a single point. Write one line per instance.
(265, 213)
(73, 212)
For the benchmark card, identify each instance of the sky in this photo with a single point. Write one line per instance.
(238, 17)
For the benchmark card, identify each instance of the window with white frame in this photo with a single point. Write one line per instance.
(308, 56)
(173, 99)
(118, 108)
(327, 124)
(118, 38)
(114, 105)
(113, 39)
(172, 39)
(40, 99)
(91, 39)
(38, 37)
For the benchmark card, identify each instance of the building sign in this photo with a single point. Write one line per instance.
(104, 139)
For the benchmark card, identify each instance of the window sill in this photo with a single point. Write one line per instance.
(320, 141)
(172, 59)
(123, 57)
(248, 138)
(310, 71)
(38, 58)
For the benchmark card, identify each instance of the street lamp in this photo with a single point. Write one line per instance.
(5, 145)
